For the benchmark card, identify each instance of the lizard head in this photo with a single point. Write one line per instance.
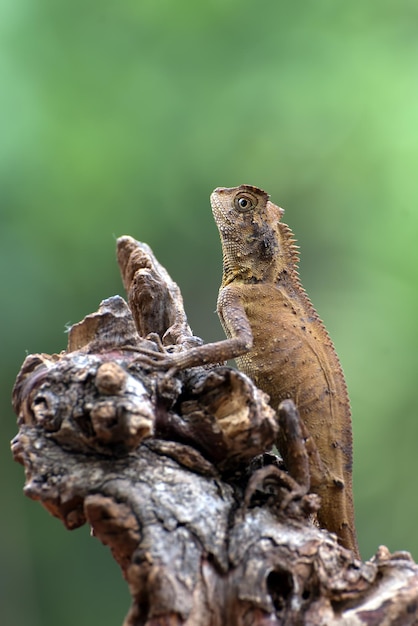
(256, 245)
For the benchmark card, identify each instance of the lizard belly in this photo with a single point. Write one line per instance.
(293, 357)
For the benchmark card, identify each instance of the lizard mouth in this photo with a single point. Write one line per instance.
(217, 208)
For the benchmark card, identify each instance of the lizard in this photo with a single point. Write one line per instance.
(278, 340)
(288, 352)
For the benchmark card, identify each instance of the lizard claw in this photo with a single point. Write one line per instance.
(161, 361)
(156, 360)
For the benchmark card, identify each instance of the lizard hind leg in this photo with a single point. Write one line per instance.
(292, 428)
(303, 462)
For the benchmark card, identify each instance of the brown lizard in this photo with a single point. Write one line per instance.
(288, 352)
(277, 339)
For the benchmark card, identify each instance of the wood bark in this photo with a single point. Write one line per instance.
(172, 471)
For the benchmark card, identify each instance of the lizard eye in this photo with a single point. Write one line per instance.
(245, 202)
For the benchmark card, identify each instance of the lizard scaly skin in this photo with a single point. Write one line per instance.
(281, 342)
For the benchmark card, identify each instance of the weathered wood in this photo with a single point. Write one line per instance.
(172, 471)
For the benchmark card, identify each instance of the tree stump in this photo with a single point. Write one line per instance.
(173, 471)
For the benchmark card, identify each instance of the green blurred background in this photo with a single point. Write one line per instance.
(120, 118)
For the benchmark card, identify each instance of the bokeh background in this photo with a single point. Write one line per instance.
(120, 118)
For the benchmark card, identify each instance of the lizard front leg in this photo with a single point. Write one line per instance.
(239, 342)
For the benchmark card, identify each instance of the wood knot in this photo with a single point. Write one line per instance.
(110, 379)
